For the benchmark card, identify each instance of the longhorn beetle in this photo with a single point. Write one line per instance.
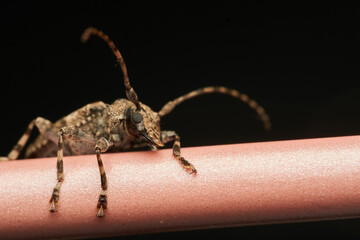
(98, 127)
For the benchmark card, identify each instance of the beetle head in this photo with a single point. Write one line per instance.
(144, 124)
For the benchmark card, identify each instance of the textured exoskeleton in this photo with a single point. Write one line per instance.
(99, 127)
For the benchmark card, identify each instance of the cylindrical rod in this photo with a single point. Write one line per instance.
(240, 184)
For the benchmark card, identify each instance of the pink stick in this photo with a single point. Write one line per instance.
(239, 184)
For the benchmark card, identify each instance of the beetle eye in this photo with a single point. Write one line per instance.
(136, 117)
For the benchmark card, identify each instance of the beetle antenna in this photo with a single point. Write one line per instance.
(168, 107)
(130, 92)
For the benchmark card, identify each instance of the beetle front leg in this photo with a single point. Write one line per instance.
(72, 134)
(167, 136)
(60, 172)
(101, 146)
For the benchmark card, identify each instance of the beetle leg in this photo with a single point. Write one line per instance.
(101, 146)
(72, 134)
(15, 152)
(46, 130)
(167, 136)
(60, 172)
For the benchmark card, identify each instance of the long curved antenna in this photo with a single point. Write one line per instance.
(168, 107)
(130, 92)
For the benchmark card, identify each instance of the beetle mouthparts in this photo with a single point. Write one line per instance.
(149, 139)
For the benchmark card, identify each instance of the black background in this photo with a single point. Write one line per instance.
(300, 62)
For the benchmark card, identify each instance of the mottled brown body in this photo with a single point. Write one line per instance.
(89, 118)
(97, 120)
(99, 127)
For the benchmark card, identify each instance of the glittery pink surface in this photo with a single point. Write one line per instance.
(239, 184)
